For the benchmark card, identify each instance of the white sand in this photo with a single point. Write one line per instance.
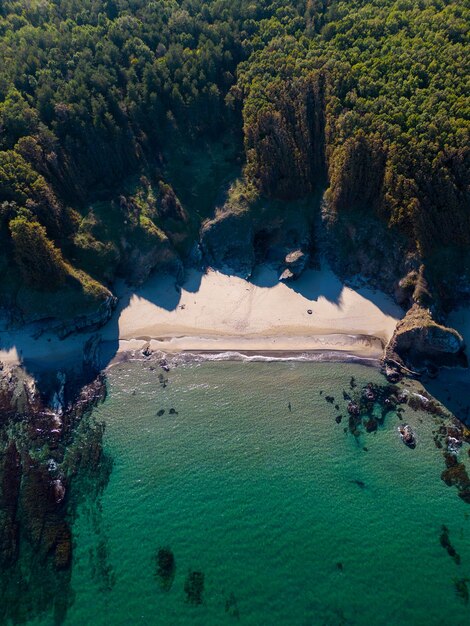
(216, 312)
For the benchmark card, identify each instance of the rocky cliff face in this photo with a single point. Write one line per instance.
(227, 242)
(362, 244)
(90, 322)
(141, 262)
(275, 233)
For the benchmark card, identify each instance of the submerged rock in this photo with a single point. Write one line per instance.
(446, 544)
(194, 587)
(63, 548)
(359, 483)
(371, 425)
(165, 567)
(461, 589)
(231, 606)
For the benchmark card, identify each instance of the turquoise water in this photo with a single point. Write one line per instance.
(262, 501)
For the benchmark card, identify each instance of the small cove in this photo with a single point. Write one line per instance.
(287, 517)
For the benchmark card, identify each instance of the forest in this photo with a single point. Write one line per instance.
(124, 124)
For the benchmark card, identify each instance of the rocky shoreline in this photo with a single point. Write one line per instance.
(49, 445)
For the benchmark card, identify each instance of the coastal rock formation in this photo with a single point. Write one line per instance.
(50, 453)
(227, 242)
(296, 262)
(419, 340)
(283, 239)
(360, 244)
(143, 260)
(89, 322)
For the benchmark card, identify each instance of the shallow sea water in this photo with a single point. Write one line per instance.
(262, 500)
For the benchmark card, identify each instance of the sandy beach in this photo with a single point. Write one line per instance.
(216, 312)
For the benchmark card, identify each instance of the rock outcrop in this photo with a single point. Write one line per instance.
(283, 239)
(419, 341)
(141, 262)
(88, 322)
(295, 262)
(361, 244)
(227, 242)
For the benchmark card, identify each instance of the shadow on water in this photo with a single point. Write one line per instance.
(452, 389)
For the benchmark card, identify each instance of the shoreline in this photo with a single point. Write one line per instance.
(215, 313)
(359, 345)
(193, 356)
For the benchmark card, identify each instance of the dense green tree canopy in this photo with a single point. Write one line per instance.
(366, 99)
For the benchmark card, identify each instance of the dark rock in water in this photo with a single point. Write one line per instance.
(407, 435)
(456, 475)
(368, 393)
(446, 544)
(338, 419)
(147, 351)
(352, 382)
(162, 380)
(353, 408)
(231, 606)
(329, 399)
(166, 567)
(346, 396)
(337, 407)
(160, 412)
(371, 425)
(359, 483)
(194, 587)
(101, 570)
(464, 493)
(461, 589)
(173, 412)
(339, 566)
(51, 456)
(63, 548)
(392, 374)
